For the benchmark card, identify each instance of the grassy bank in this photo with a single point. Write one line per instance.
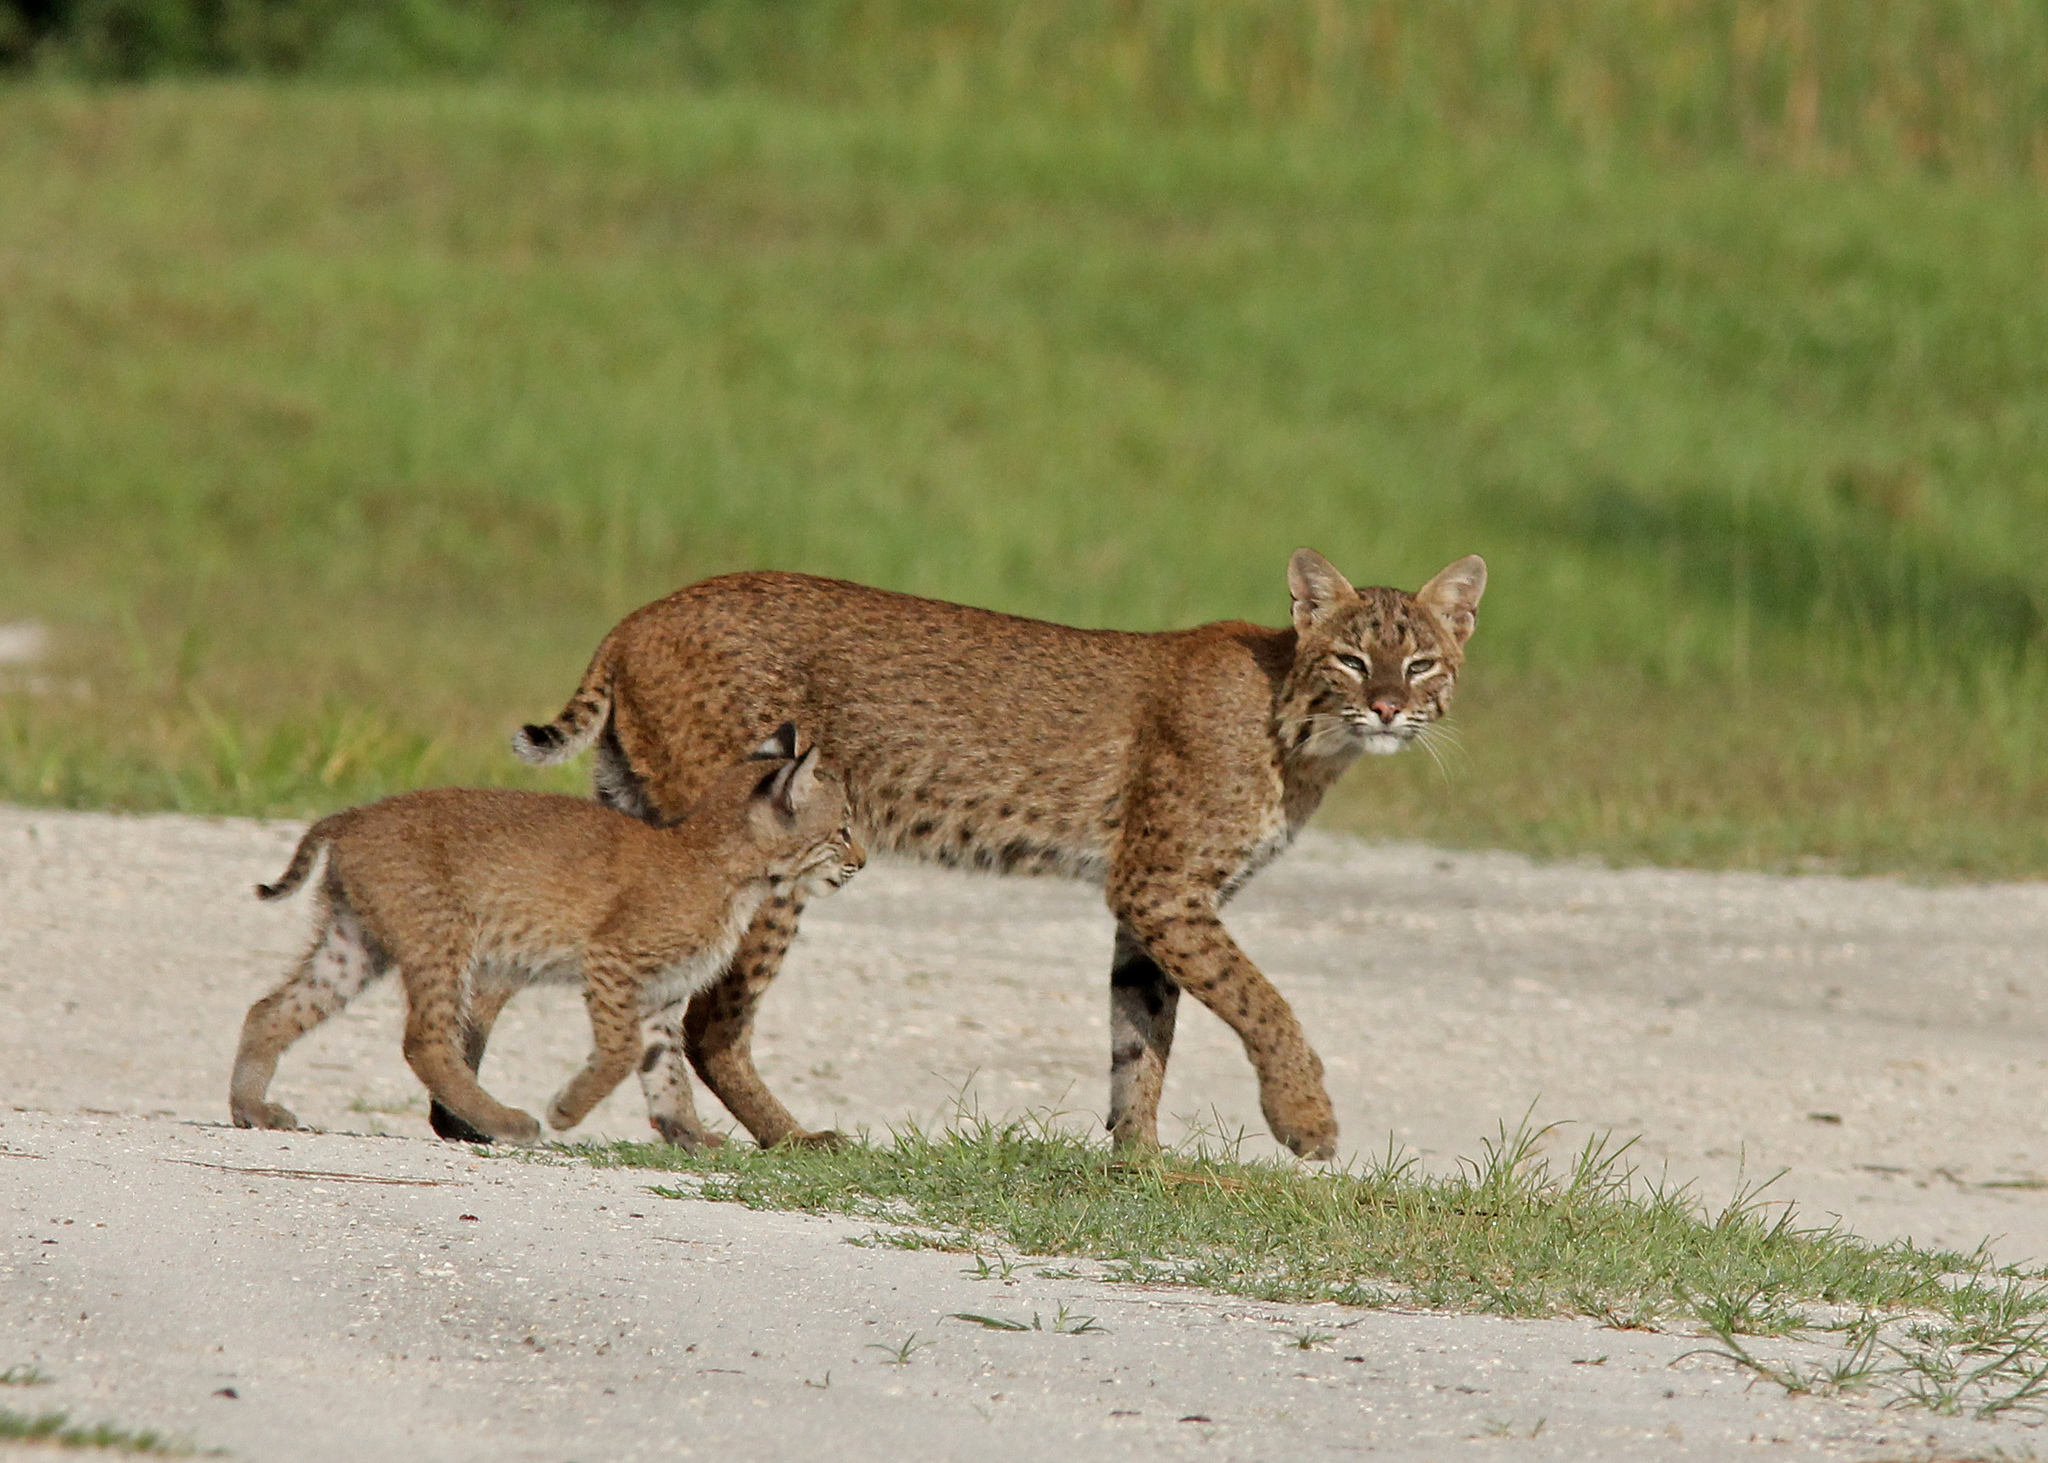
(337, 424)
(1509, 1235)
(1953, 86)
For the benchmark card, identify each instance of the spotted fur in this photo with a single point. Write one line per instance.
(471, 894)
(1169, 768)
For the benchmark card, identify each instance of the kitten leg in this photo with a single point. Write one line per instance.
(719, 1028)
(1142, 1000)
(434, 1048)
(665, 1079)
(485, 1002)
(330, 975)
(1178, 925)
(612, 996)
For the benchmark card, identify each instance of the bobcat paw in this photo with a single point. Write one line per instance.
(518, 1127)
(1310, 1132)
(446, 1125)
(689, 1137)
(1316, 1150)
(262, 1115)
(827, 1139)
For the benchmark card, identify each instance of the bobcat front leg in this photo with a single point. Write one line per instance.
(719, 1028)
(1179, 928)
(612, 996)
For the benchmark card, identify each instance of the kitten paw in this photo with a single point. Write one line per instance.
(263, 1115)
(446, 1125)
(519, 1127)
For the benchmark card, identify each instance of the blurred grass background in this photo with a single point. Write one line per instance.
(348, 397)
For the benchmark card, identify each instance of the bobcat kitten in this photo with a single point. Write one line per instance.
(474, 893)
(1169, 768)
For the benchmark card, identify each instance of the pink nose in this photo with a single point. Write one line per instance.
(1388, 710)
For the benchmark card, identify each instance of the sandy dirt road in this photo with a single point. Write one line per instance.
(1883, 1045)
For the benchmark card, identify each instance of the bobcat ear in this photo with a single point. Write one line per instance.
(1317, 587)
(780, 746)
(1454, 595)
(796, 782)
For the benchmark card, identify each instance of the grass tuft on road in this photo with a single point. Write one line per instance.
(1510, 1234)
(57, 1430)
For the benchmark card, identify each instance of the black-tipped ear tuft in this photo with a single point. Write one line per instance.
(780, 746)
(802, 779)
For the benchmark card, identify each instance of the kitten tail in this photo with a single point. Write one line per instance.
(317, 837)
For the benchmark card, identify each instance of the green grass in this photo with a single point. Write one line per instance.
(1508, 1235)
(336, 424)
(1948, 85)
(56, 1429)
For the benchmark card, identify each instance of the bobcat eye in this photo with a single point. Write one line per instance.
(1353, 664)
(1421, 665)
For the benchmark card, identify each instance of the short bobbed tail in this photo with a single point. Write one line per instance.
(544, 744)
(317, 837)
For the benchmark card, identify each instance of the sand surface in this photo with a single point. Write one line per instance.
(1878, 1046)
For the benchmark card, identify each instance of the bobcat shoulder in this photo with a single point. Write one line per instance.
(471, 894)
(1168, 767)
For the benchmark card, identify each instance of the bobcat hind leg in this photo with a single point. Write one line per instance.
(718, 1029)
(485, 1002)
(435, 1041)
(1142, 1004)
(341, 962)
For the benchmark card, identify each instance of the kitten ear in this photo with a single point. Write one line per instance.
(1317, 587)
(780, 746)
(795, 783)
(1454, 595)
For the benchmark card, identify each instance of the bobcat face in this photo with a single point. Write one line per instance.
(1386, 673)
(1374, 667)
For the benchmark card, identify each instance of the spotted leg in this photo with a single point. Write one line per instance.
(1142, 1002)
(611, 994)
(485, 1003)
(332, 973)
(1177, 922)
(435, 1037)
(665, 1079)
(718, 1030)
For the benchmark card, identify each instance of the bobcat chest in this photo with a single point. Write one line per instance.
(686, 971)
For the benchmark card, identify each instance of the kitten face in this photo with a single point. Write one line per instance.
(813, 820)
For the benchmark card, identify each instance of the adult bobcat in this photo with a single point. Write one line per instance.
(473, 893)
(1170, 767)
